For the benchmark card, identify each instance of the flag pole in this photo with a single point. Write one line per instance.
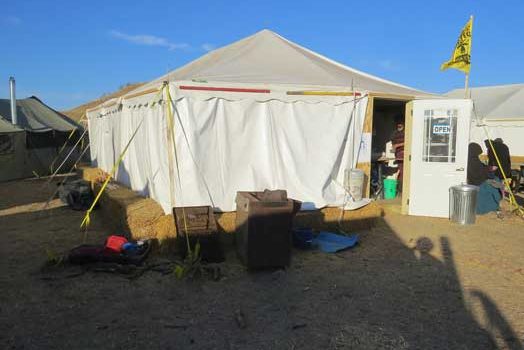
(466, 86)
(466, 83)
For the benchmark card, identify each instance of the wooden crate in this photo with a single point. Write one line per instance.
(198, 225)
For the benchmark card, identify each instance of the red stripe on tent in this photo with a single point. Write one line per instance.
(225, 89)
(324, 93)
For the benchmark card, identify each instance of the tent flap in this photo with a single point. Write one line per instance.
(227, 146)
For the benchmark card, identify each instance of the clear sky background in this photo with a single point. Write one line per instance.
(70, 52)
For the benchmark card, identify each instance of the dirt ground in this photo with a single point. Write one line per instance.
(411, 283)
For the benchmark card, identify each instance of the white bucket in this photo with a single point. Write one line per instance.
(355, 183)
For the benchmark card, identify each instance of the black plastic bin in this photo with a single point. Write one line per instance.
(199, 224)
(263, 228)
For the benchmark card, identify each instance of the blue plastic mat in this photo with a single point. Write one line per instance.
(331, 243)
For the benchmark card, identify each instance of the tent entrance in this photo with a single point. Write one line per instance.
(386, 163)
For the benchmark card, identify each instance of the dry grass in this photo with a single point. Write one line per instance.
(411, 283)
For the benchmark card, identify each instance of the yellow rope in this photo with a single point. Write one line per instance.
(87, 219)
(512, 199)
(171, 129)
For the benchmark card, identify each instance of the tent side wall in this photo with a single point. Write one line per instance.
(13, 158)
(250, 145)
(512, 133)
(144, 167)
(20, 159)
(500, 109)
(224, 146)
(30, 147)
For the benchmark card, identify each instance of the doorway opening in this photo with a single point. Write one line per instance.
(387, 144)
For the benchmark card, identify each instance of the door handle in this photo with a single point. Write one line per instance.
(459, 169)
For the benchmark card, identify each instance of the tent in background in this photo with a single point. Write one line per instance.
(501, 110)
(260, 113)
(30, 146)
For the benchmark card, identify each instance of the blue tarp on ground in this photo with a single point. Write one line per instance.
(331, 243)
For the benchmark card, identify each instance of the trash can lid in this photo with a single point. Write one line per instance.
(465, 188)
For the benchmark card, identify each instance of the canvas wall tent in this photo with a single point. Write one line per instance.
(260, 113)
(30, 147)
(501, 110)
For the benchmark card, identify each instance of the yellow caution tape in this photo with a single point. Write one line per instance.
(171, 128)
(506, 181)
(87, 219)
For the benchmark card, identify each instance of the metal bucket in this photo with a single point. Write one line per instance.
(463, 203)
(354, 179)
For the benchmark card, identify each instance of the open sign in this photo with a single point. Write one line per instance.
(441, 129)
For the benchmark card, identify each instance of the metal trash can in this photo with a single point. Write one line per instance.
(463, 203)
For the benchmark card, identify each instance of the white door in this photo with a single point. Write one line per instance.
(439, 153)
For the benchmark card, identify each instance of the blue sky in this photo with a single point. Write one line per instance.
(69, 52)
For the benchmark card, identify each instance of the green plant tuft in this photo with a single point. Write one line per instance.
(191, 266)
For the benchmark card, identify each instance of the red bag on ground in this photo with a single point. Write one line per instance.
(115, 243)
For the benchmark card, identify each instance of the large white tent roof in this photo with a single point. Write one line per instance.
(268, 58)
(496, 103)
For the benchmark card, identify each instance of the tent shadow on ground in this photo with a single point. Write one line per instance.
(383, 294)
(497, 322)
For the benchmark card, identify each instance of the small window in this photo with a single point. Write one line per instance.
(6, 144)
(440, 135)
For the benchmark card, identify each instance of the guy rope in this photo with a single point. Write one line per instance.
(519, 210)
(512, 199)
(172, 151)
(87, 219)
(61, 149)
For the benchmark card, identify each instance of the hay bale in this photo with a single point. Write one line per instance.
(128, 212)
(226, 222)
(89, 173)
(323, 219)
(165, 227)
(142, 216)
(328, 218)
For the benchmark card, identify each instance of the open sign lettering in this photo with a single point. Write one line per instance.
(441, 129)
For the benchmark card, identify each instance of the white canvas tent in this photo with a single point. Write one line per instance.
(501, 110)
(241, 122)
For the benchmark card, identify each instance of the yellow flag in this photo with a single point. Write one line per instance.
(461, 57)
